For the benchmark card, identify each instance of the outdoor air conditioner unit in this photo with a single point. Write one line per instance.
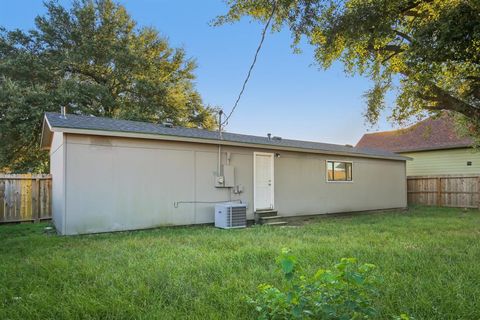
(230, 215)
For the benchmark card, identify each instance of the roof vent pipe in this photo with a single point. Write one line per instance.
(63, 111)
(220, 113)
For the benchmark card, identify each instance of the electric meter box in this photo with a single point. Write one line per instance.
(227, 178)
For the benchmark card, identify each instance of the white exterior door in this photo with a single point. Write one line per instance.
(263, 180)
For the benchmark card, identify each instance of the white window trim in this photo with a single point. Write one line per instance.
(337, 181)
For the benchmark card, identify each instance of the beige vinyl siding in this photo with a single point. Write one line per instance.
(440, 162)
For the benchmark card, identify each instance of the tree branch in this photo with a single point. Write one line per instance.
(389, 57)
(476, 78)
(411, 13)
(92, 75)
(403, 35)
(389, 47)
(413, 4)
(446, 101)
(433, 108)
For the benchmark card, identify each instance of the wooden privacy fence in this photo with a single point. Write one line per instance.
(447, 191)
(25, 197)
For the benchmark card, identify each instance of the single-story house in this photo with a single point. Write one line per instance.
(111, 175)
(433, 144)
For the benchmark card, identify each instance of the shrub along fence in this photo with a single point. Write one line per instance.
(25, 197)
(461, 191)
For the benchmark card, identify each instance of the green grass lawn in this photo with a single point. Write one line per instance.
(429, 259)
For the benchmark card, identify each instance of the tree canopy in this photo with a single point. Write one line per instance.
(93, 59)
(426, 52)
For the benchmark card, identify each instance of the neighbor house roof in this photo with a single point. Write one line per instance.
(56, 122)
(429, 134)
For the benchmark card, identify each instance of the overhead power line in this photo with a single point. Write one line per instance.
(274, 5)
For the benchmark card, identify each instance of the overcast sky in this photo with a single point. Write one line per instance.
(287, 95)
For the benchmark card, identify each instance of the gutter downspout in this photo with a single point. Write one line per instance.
(219, 145)
(219, 160)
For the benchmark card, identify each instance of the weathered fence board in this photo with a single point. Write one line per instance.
(25, 197)
(461, 191)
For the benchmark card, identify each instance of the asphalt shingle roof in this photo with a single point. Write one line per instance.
(70, 121)
(430, 134)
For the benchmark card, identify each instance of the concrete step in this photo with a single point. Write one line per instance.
(272, 220)
(275, 224)
(266, 213)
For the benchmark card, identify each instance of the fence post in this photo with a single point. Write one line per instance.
(37, 214)
(439, 191)
(478, 191)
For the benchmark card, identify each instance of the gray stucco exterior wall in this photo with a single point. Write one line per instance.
(114, 183)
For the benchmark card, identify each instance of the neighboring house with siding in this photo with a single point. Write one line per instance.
(111, 175)
(433, 144)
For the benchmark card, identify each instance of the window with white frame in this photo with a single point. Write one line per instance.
(339, 171)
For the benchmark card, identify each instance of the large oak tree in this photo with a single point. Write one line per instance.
(93, 59)
(427, 52)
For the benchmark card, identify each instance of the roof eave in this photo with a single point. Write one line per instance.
(217, 142)
(435, 148)
(47, 134)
